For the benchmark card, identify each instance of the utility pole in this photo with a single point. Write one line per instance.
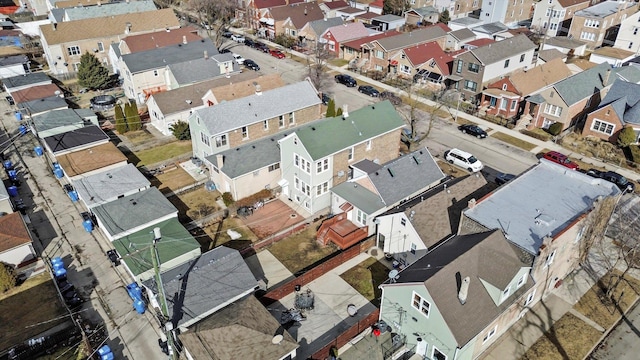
(165, 321)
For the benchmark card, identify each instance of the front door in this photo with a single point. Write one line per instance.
(381, 241)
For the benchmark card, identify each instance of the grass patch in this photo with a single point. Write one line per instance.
(569, 338)
(597, 306)
(216, 235)
(338, 62)
(451, 170)
(22, 308)
(365, 278)
(301, 250)
(160, 153)
(513, 141)
(195, 204)
(139, 137)
(172, 179)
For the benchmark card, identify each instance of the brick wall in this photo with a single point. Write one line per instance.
(608, 115)
(346, 336)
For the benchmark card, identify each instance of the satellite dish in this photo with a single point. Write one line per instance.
(277, 339)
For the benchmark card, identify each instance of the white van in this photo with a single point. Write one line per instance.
(463, 159)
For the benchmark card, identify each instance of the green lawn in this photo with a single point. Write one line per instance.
(301, 250)
(160, 153)
(365, 278)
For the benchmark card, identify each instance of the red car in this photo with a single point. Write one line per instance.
(561, 159)
(277, 53)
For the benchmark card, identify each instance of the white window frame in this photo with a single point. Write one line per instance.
(602, 127)
(265, 125)
(421, 304)
(505, 293)
(529, 298)
(368, 146)
(245, 132)
(322, 188)
(73, 50)
(514, 103)
(553, 110)
(204, 138)
(379, 54)
(405, 69)
(433, 351)
(281, 121)
(350, 154)
(549, 259)
(322, 166)
(221, 140)
(292, 118)
(361, 217)
(521, 281)
(489, 334)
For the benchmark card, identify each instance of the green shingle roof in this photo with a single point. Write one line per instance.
(327, 137)
(135, 249)
(583, 84)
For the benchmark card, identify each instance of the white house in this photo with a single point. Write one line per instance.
(629, 34)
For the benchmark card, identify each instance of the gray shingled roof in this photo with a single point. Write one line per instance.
(59, 118)
(26, 79)
(46, 104)
(628, 73)
(564, 42)
(14, 59)
(129, 212)
(584, 84)
(388, 18)
(320, 26)
(466, 21)
(101, 187)
(78, 138)
(425, 11)
(497, 51)
(359, 196)
(205, 284)
(463, 34)
(624, 98)
(527, 212)
(411, 38)
(174, 54)
(603, 9)
(108, 9)
(201, 69)
(229, 115)
(491, 29)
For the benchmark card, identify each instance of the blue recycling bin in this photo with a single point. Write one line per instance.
(13, 191)
(8, 164)
(58, 172)
(73, 195)
(57, 266)
(104, 350)
(13, 174)
(23, 129)
(87, 225)
(38, 150)
(56, 165)
(60, 272)
(108, 356)
(139, 306)
(18, 115)
(56, 259)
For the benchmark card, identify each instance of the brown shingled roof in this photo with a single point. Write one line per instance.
(246, 88)
(84, 161)
(299, 14)
(63, 4)
(538, 77)
(35, 93)
(104, 27)
(13, 232)
(162, 38)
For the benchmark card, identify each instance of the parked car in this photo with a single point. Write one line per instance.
(611, 176)
(227, 34)
(250, 64)
(239, 59)
(503, 178)
(388, 95)
(224, 51)
(464, 160)
(10, 100)
(113, 257)
(277, 54)
(473, 130)
(346, 80)
(238, 38)
(249, 43)
(262, 47)
(369, 90)
(561, 159)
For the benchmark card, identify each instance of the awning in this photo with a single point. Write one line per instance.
(536, 99)
(393, 62)
(267, 21)
(454, 77)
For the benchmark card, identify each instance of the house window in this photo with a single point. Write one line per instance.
(489, 334)
(100, 47)
(470, 85)
(503, 104)
(73, 50)
(522, 58)
(635, 31)
(361, 217)
(379, 68)
(379, 54)
(549, 260)
(322, 165)
(413, 248)
(514, 103)
(437, 354)
(405, 69)
(155, 73)
(221, 140)
(296, 160)
(281, 121)
(505, 293)
(474, 68)
(506, 63)
(274, 167)
(630, 45)
(421, 304)
(530, 298)
(265, 125)
(504, 87)
(552, 110)
(432, 63)
(603, 127)
(292, 118)
(350, 154)
(369, 144)
(245, 132)
(322, 188)
(204, 138)
(302, 163)
(403, 221)
(521, 281)
(459, 68)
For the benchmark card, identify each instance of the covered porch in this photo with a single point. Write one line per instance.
(498, 102)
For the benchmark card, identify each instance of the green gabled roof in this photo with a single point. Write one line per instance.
(332, 135)
(584, 84)
(135, 249)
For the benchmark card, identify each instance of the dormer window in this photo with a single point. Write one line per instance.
(505, 294)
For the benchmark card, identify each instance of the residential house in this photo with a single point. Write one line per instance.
(422, 15)
(202, 286)
(257, 13)
(168, 107)
(333, 37)
(90, 161)
(614, 56)
(456, 300)
(81, 12)
(107, 186)
(204, 68)
(39, 106)
(289, 20)
(316, 157)
(62, 4)
(388, 22)
(64, 43)
(424, 63)
(598, 25)
(350, 13)
(480, 66)
(145, 72)
(60, 121)
(357, 51)
(457, 8)
(75, 140)
(506, 12)
(374, 189)
(565, 45)
(505, 97)
(464, 23)
(14, 65)
(619, 108)
(25, 81)
(628, 37)
(492, 31)
(407, 231)
(16, 244)
(149, 41)
(312, 30)
(455, 39)
(570, 100)
(382, 50)
(129, 214)
(231, 123)
(329, 7)
(244, 329)
(176, 247)
(553, 17)
(37, 92)
(544, 56)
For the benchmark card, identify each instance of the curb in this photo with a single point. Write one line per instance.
(609, 330)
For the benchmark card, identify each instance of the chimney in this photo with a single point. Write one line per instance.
(127, 28)
(605, 80)
(206, 54)
(219, 161)
(472, 203)
(464, 290)
(258, 90)
(184, 39)
(345, 111)
(305, 11)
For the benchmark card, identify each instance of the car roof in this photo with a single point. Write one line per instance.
(460, 152)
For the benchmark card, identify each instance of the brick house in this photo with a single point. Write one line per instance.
(426, 63)
(312, 30)
(598, 25)
(358, 50)
(554, 16)
(619, 108)
(289, 20)
(333, 37)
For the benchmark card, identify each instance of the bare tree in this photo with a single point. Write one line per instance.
(215, 15)
(414, 116)
(317, 68)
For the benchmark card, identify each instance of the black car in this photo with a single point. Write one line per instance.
(227, 34)
(113, 257)
(10, 100)
(474, 130)
(325, 98)
(503, 178)
(611, 176)
(388, 95)
(250, 64)
(249, 42)
(224, 51)
(346, 80)
(369, 90)
(262, 47)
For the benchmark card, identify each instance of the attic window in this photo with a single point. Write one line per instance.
(551, 95)
(608, 112)
(504, 87)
